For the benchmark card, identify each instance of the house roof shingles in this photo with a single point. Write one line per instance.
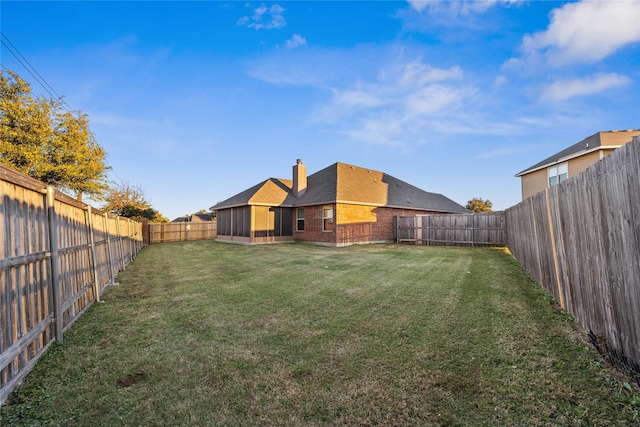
(343, 183)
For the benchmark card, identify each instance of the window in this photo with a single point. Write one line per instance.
(327, 218)
(300, 219)
(558, 173)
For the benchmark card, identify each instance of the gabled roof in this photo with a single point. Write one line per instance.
(599, 141)
(348, 184)
(270, 192)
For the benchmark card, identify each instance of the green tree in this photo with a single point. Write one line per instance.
(479, 205)
(130, 201)
(39, 139)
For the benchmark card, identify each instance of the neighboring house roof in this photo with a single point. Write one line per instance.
(202, 217)
(343, 183)
(598, 141)
(196, 217)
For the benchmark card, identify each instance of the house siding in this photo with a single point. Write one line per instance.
(537, 181)
(534, 182)
(579, 164)
(601, 144)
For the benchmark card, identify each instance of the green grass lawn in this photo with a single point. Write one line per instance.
(207, 333)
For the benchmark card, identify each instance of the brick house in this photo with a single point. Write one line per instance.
(572, 160)
(336, 206)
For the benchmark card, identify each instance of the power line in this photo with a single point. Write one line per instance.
(13, 50)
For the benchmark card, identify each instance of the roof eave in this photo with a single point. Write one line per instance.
(427, 209)
(567, 158)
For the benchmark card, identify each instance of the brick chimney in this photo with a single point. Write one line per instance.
(299, 178)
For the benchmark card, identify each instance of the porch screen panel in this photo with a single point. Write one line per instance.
(242, 221)
(224, 222)
(236, 223)
(246, 221)
(283, 222)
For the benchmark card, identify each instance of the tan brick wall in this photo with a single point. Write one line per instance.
(313, 227)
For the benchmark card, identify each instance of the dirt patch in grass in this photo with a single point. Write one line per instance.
(131, 379)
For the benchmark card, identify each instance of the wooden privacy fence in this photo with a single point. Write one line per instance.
(581, 241)
(57, 256)
(180, 231)
(477, 229)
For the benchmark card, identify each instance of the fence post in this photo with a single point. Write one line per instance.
(130, 237)
(554, 250)
(93, 253)
(535, 239)
(55, 279)
(109, 257)
(121, 242)
(473, 229)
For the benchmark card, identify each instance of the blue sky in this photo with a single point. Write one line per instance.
(197, 101)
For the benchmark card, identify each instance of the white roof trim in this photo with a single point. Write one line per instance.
(569, 157)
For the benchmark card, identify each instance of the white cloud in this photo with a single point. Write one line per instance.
(459, 7)
(564, 89)
(500, 81)
(585, 32)
(416, 74)
(434, 99)
(296, 41)
(418, 5)
(356, 98)
(264, 18)
(400, 104)
(386, 95)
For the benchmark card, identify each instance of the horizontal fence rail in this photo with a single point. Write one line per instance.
(581, 241)
(163, 232)
(57, 256)
(476, 229)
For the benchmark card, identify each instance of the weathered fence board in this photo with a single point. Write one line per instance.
(57, 256)
(581, 241)
(477, 229)
(181, 231)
